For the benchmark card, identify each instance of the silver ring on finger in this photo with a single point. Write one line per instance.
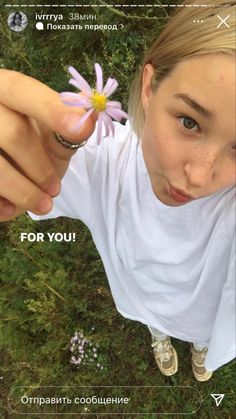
(66, 143)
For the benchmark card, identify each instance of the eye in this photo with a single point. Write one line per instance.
(188, 122)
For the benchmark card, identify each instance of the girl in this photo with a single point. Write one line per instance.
(159, 197)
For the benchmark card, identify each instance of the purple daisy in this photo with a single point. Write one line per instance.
(95, 100)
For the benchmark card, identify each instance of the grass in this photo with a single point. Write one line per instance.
(50, 291)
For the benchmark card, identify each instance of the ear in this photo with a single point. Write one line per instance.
(148, 74)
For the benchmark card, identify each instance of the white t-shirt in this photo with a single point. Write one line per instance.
(172, 268)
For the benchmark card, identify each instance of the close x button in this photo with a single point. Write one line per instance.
(223, 21)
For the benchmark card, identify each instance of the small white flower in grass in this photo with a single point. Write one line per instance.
(95, 100)
(74, 338)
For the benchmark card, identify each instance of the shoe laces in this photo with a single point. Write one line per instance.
(163, 348)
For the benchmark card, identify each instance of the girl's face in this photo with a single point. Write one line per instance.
(188, 139)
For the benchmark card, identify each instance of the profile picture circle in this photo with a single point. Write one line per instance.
(17, 21)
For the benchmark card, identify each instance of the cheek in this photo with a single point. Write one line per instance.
(226, 177)
(160, 152)
(161, 145)
(170, 156)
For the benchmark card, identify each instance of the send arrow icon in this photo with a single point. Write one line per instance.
(218, 398)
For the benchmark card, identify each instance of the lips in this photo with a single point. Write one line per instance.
(178, 195)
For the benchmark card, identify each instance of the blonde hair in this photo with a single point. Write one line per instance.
(182, 39)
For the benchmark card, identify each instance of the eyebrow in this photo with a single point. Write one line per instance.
(196, 106)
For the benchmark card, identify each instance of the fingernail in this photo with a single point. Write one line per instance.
(45, 205)
(54, 188)
(70, 122)
(7, 209)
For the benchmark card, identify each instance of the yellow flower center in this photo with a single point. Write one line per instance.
(99, 101)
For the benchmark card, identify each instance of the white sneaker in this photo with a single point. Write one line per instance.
(165, 356)
(198, 364)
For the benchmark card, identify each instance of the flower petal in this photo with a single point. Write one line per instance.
(99, 76)
(117, 114)
(73, 104)
(83, 119)
(110, 87)
(78, 86)
(104, 120)
(114, 103)
(71, 94)
(82, 84)
(108, 123)
(99, 128)
(75, 99)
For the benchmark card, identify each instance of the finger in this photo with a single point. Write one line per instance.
(33, 98)
(6, 208)
(20, 191)
(27, 153)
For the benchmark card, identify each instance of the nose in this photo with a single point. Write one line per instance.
(200, 168)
